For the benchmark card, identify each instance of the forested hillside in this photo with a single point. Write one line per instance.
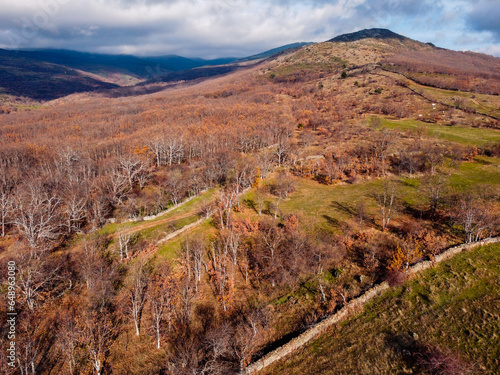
(193, 229)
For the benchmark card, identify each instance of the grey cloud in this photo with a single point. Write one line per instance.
(207, 28)
(485, 16)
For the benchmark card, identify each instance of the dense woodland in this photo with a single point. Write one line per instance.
(96, 301)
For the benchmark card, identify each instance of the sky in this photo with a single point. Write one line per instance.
(237, 28)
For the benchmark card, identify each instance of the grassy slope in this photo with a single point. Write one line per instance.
(483, 103)
(459, 134)
(327, 206)
(454, 306)
(189, 209)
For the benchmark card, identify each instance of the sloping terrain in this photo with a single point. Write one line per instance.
(42, 75)
(103, 64)
(38, 80)
(325, 173)
(444, 321)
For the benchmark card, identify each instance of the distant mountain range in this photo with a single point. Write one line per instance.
(138, 66)
(45, 74)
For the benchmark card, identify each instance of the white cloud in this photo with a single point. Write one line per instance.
(493, 50)
(206, 28)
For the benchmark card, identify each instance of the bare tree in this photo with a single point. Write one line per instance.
(158, 148)
(117, 185)
(271, 239)
(247, 335)
(97, 332)
(218, 349)
(74, 209)
(383, 139)
(230, 240)
(30, 343)
(386, 200)
(232, 237)
(361, 213)
(131, 167)
(175, 186)
(265, 161)
(37, 217)
(435, 188)
(283, 186)
(174, 149)
(98, 272)
(143, 177)
(68, 338)
(243, 174)
(124, 239)
(35, 279)
(434, 156)
(282, 135)
(186, 295)
(161, 297)
(6, 206)
(260, 198)
(98, 206)
(225, 202)
(409, 160)
(137, 292)
(218, 259)
(207, 210)
(193, 259)
(476, 216)
(281, 150)
(336, 164)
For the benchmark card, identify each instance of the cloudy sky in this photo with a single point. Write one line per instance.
(203, 28)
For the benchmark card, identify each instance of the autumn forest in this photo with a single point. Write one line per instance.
(193, 227)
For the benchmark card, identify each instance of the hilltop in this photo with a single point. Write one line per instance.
(368, 33)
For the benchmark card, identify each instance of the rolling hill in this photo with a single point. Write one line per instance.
(47, 74)
(186, 227)
(28, 77)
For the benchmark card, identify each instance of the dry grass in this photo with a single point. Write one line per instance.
(452, 308)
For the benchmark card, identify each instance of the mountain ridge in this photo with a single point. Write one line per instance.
(47, 74)
(375, 33)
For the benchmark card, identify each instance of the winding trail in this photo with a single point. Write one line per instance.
(179, 231)
(351, 308)
(152, 224)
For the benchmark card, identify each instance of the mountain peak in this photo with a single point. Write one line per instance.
(367, 33)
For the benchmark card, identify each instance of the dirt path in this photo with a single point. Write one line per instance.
(154, 217)
(352, 307)
(152, 224)
(179, 231)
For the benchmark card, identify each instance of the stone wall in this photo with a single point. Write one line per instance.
(355, 305)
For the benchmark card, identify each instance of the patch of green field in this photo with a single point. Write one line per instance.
(328, 206)
(483, 171)
(453, 307)
(193, 206)
(171, 249)
(162, 230)
(459, 134)
(318, 205)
